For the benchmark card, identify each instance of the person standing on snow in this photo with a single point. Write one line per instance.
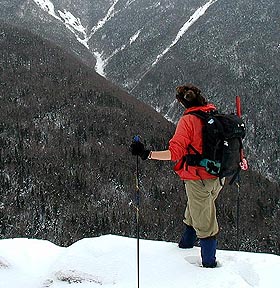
(202, 188)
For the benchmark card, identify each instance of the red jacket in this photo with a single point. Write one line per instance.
(189, 131)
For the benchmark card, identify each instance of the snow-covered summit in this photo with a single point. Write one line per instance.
(110, 261)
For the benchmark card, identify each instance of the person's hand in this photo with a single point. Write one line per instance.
(138, 149)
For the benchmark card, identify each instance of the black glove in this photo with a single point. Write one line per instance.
(137, 148)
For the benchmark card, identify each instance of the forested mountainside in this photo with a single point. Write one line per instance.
(226, 47)
(65, 169)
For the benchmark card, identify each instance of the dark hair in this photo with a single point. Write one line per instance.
(190, 95)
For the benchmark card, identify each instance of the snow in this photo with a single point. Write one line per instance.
(100, 63)
(129, 2)
(197, 14)
(47, 6)
(110, 261)
(134, 37)
(72, 22)
(67, 18)
(110, 13)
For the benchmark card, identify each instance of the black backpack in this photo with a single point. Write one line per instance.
(222, 136)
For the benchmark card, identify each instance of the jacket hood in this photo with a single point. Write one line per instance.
(206, 108)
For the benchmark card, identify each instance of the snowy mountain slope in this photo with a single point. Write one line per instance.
(110, 261)
(48, 22)
(148, 47)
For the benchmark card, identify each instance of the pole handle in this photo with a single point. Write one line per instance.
(238, 106)
(136, 138)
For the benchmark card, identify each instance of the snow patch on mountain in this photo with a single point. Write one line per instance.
(197, 14)
(102, 62)
(72, 22)
(67, 18)
(74, 25)
(110, 13)
(47, 6)
(134, 37)
(129, 2)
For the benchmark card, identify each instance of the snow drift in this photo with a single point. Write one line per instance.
(110, 261)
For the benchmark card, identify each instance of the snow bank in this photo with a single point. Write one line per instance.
(110, 261)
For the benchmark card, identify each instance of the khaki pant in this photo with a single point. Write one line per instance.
(201, 210)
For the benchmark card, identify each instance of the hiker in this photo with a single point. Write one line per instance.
(202, 188)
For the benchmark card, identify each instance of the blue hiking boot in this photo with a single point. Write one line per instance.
(208, 252)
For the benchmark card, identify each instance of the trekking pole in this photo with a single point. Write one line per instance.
(243, 166)
(238, 112)
(237, 213)
(137, 206)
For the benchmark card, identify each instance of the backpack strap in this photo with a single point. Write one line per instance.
(201, 114)
(195, 159)
(236, 174)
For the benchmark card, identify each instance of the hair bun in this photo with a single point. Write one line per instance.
(190, 95)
